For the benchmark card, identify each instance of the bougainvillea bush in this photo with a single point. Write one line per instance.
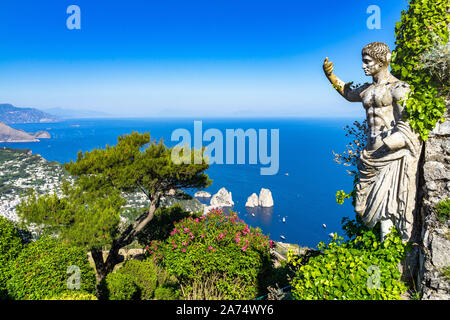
(218, 246)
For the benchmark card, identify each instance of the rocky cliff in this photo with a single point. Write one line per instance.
(434, 257)
(8, 134)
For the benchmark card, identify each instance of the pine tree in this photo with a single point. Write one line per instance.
(88, 213)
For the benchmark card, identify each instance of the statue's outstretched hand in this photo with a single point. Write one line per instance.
(328, 67)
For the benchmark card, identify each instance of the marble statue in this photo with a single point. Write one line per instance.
(386, 191)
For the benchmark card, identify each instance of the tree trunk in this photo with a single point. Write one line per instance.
(97, 256)
(104, 267)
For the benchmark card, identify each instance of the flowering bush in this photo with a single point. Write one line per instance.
(215, 244)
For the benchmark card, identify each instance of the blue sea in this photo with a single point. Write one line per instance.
(303, 189)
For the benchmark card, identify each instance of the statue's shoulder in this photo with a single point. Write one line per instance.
(398, 84)
(399, 89)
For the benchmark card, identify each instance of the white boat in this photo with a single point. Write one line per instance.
(284, 220)
(283, 237)
(324, 226)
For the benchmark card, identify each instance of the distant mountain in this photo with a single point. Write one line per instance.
(10, 114)
(8, 134)
(72, 114)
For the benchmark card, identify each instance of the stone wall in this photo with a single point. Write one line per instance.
(434, 187)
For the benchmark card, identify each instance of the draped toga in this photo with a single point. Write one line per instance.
(387, 182)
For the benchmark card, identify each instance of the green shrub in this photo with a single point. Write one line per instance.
(359, 269)
(121, 286)
(215, 245)
(145, 276)
(443, 210)
(10, 246)
(166, 293)
(74, 295)
(41, 270)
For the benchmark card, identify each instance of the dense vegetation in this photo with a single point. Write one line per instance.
(10, 247)
(421, 60)
(140, 280)
(43, 268)
(361, 268)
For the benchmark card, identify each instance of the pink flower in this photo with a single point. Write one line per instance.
(245, 246)
(237, 239)
(210, 248)
(271, 243)
(184, 250)
(186, 230)
(196, 220)
(184, 244)
(202, 235)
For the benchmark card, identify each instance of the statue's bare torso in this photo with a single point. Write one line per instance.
(383, 109)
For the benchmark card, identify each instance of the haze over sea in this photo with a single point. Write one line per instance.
(305, 196)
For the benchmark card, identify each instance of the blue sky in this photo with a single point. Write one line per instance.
(196, 58)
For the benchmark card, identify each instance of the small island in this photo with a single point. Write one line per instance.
(8, 134)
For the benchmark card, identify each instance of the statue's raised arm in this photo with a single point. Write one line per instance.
(352, 95)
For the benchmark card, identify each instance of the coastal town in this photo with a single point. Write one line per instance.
(22, 170)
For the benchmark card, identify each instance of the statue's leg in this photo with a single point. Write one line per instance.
(386, 225)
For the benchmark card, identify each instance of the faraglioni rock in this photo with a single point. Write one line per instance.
(252, 201)
(221, 199)
(202, 194)
(265, 198)
(388, 165)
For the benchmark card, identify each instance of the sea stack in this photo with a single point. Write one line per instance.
(252, 201)
(202, 194)
(222, 198)
(265, 198)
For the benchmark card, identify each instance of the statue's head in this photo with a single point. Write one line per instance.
(375, 56)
